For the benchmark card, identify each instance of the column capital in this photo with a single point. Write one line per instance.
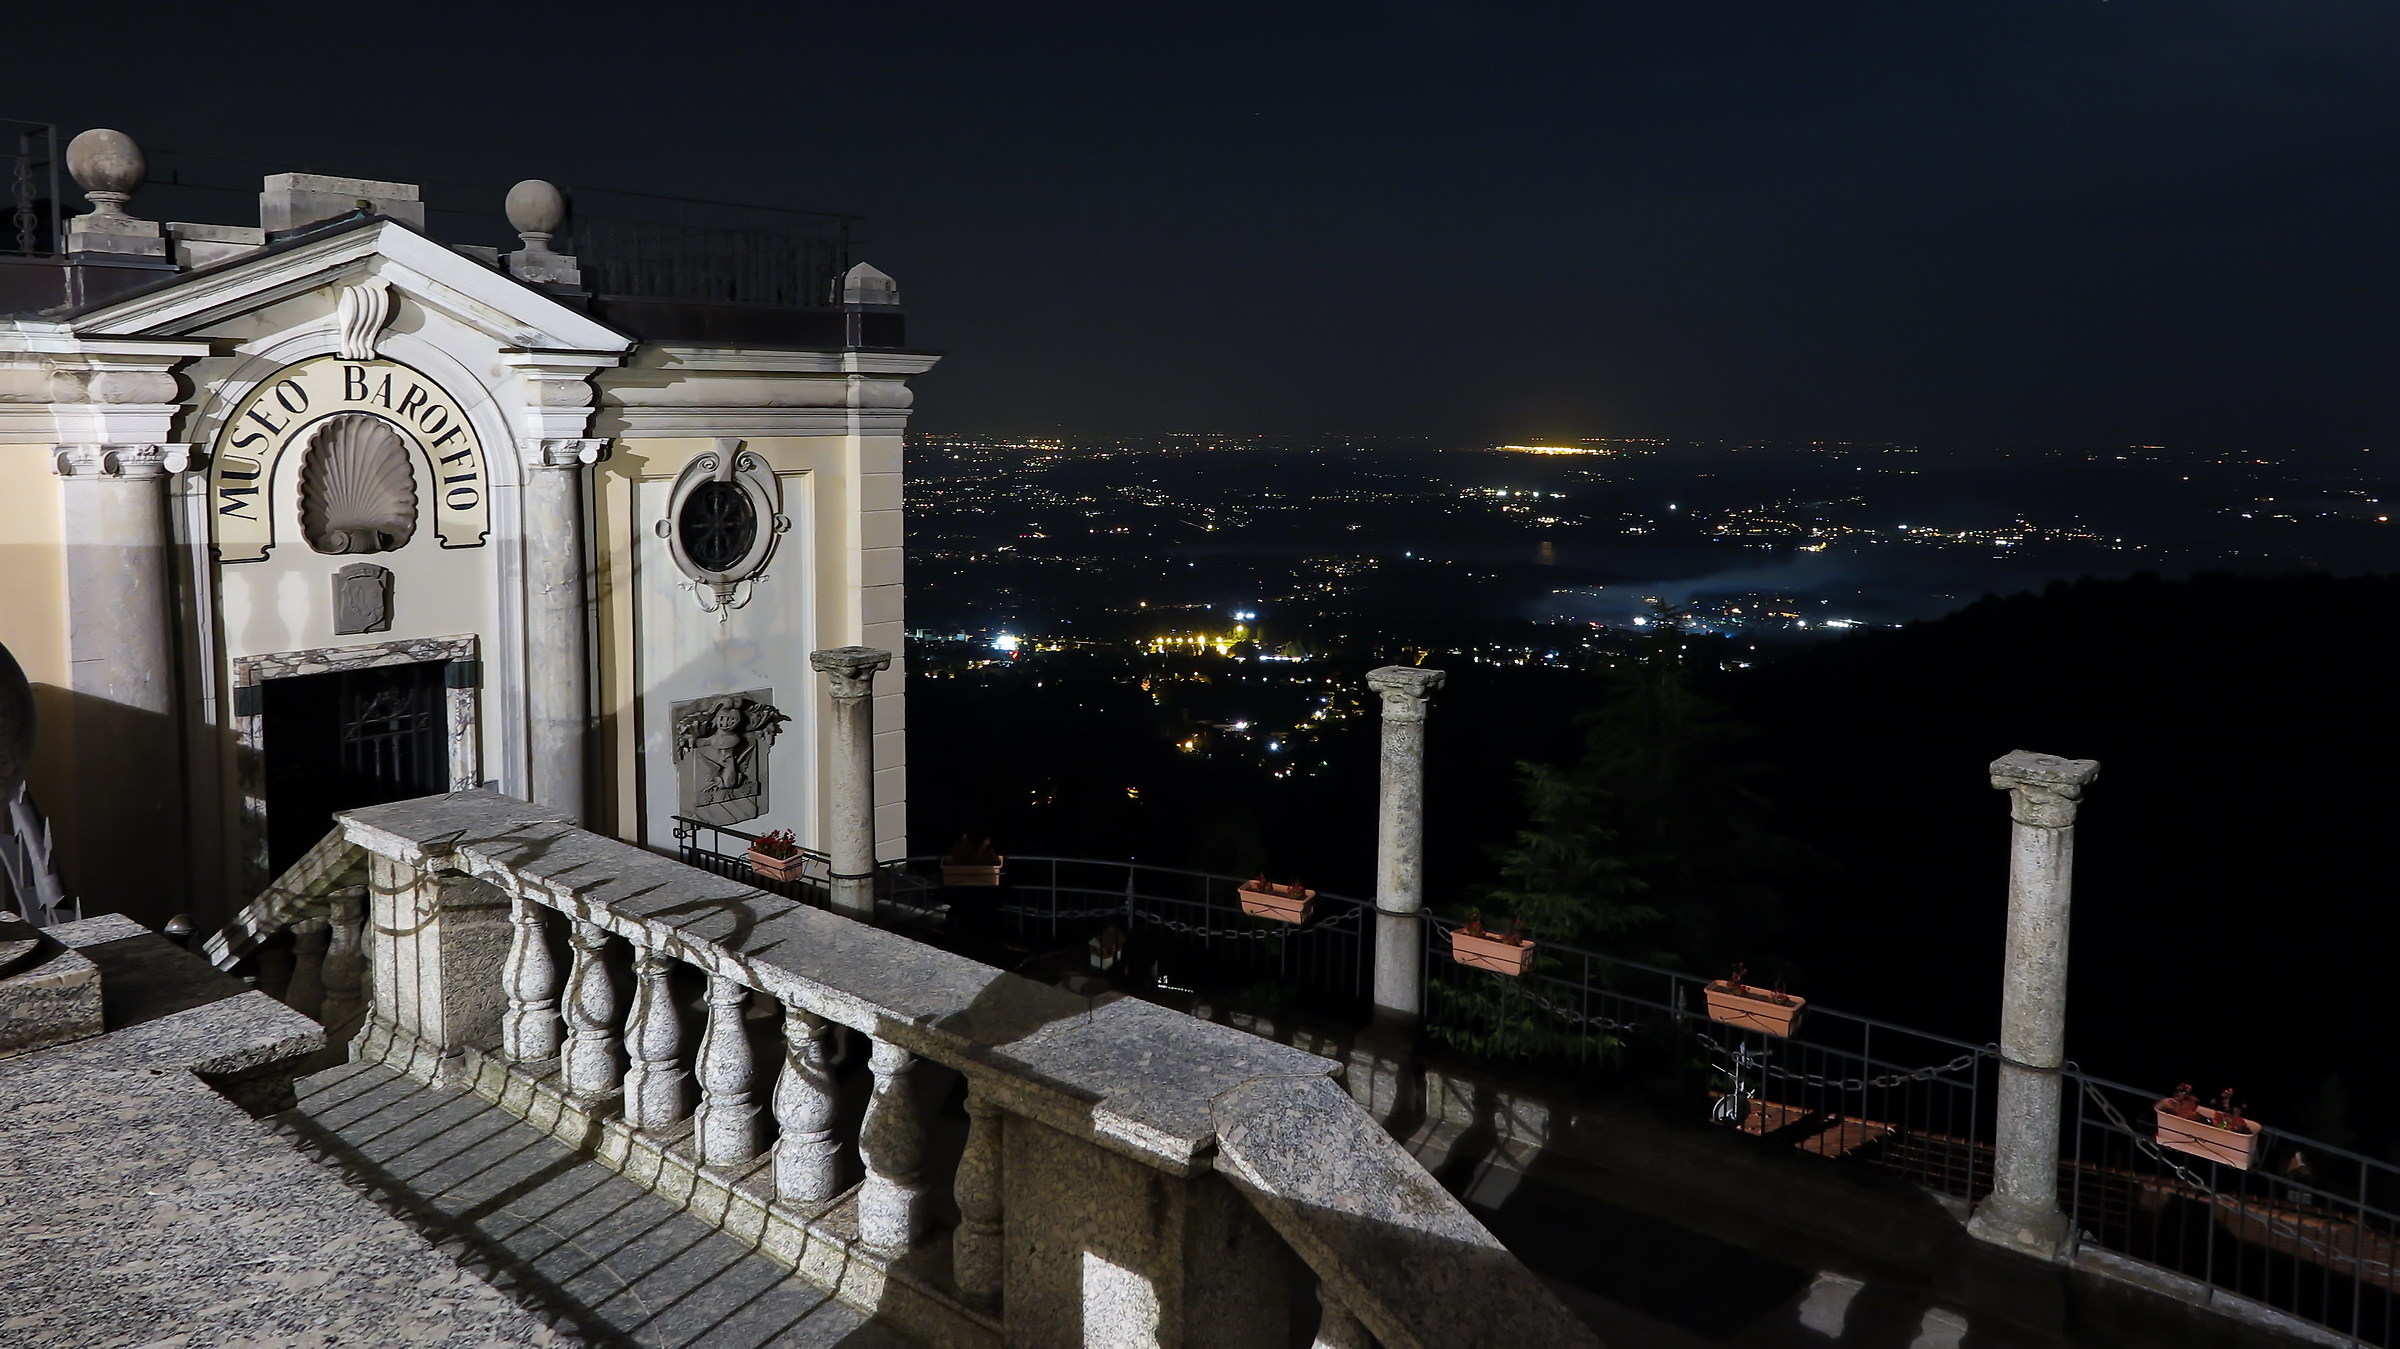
(125, 461)
(2044, 788)
(545, 452)
(1405, 689)
(852, 668)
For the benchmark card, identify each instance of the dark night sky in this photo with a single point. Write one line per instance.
(1960, 222)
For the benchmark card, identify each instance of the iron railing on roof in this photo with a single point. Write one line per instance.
(35, 179)
(631, 244)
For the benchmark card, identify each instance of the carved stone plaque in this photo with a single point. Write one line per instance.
(722, 749)
(362, 598)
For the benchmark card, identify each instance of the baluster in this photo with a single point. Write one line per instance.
(653, 1040)
(891, 1142)
(806, 1154)
(306, 993)
(726, 1126)
(345, 957)
(529, 1028)
(591, 1059)
(975, 1246)
(274, 968)
(1337, 1326)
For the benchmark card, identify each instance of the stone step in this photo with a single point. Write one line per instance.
(594, 1254)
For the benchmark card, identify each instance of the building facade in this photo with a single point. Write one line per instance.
(324, 511)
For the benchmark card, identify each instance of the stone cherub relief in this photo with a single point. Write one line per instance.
(721, 755)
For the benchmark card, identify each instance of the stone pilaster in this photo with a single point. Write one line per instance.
(557, 620)
(121, 626)
(1400, 841)
(2022, 1211)
(850, 677)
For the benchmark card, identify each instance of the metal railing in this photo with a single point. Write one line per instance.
(2317, 1239)
(2306, 1228)
(36, 209)
(1184, 931)
(793, 265)
(901, 896)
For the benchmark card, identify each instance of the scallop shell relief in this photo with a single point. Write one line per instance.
(357, 491)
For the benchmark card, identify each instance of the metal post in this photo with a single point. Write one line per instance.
(2022, 1211)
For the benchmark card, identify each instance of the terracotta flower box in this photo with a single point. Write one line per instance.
(1489, 951)
(1283, 903)
(1749, 1007)
(2203, 1137)
(972, 873)
(776, 868)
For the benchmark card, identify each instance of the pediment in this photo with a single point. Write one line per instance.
(510, 313)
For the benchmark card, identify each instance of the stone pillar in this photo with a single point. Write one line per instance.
(891, 1142)
(653, 1043)
(806, 1153)
(975, 1248)
(121, 629)
(557, 621)
(850, 676)
(725, 1128)
(1400, 842)
(435, 987)
(2022, 1211)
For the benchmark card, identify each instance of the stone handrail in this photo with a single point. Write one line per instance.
(304, 890)
(1080, 1109)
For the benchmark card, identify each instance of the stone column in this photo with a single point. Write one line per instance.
(557, 621)
(850, 676)
(2022, 1211)
(121, 630)
(1400, 842)
(306, 992)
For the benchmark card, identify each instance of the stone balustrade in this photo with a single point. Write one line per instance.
(1126, 1174)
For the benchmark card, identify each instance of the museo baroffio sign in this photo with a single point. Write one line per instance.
(286, 411)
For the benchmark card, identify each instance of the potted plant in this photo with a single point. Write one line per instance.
(1480, 948)
(776, 856)
(1749, 1007)
(971, 864)
(2220, 1133)
(1289, 903)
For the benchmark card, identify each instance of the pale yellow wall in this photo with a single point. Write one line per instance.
(853, 536)
(33, 614)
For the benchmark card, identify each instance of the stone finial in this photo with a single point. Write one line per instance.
(865, 284)
(1405, 689)
(536, 209)
(109, 168)
(2046, 787)
(851, 669)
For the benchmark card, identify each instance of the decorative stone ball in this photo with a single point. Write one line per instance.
(536, 207)
(106, 161)
(16, 727)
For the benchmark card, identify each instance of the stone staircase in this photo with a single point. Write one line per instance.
(597, 1257)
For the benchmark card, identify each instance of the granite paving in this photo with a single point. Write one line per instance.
(565, 1234)
(141, 1208)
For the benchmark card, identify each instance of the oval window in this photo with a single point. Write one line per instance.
(717, 525)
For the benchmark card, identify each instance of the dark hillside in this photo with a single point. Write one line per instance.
(2234, 870)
